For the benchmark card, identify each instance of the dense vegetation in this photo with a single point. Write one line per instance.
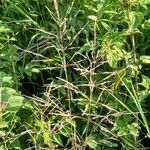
(74, 74)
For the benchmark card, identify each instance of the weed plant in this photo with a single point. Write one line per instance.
(74, 74)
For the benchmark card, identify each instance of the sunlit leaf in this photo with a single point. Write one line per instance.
(3, 124)
(91, 142)
(4, 29)
(92, 17)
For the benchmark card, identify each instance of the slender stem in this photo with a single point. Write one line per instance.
(134, 60)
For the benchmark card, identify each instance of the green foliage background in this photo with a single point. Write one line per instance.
(74, 74)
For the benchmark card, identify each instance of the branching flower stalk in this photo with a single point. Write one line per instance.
(91, 77)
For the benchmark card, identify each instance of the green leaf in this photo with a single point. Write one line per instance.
(92, 17)
(135, 19)
(15, 101)
(145, 59)
(139, 16)
(106, 26)
(39, 123)
(2, 133)
(10, 98)
(3, 124)
(5, 78)
(6, 92)
(91, 142)
(146, 2)
(85, 48)
(2, 147)
(4, 29)
(16, 144)
(112, 48)
(145, 82)
(57, 139)
(134, 129)
(119, 77)
(35, 70)
(122, 132)
(46, 137)
(66, 130)
(143, 94)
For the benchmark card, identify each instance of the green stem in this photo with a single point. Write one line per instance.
(134, 60)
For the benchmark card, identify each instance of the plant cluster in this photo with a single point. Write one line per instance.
(74, 74)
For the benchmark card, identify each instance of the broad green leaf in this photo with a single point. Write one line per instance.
(10, 98)
(145, 59)
(6, 92)
(135, 19)
(16, 144)
(15, 101)
(112, 48)
(3, 124)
